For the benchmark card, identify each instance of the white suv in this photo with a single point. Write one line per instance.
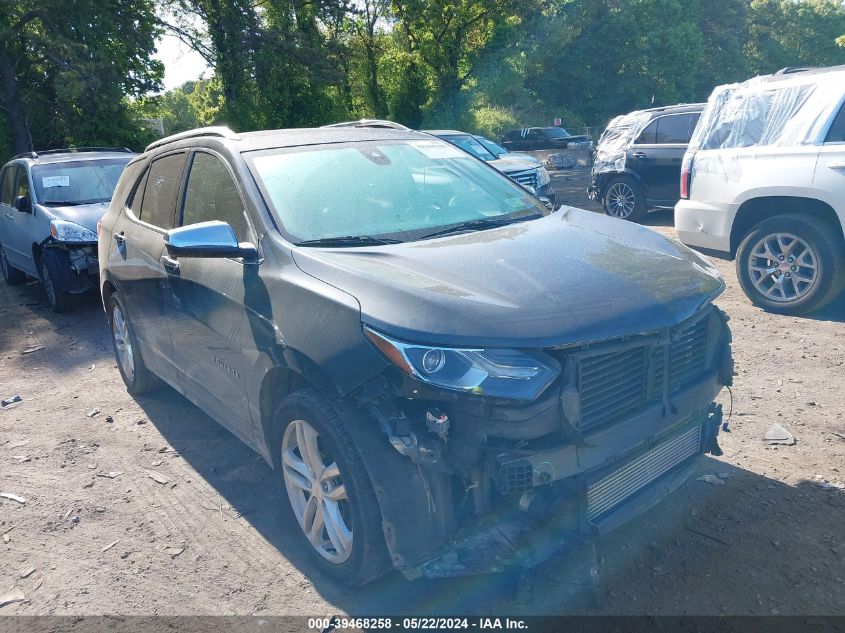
(764, 180)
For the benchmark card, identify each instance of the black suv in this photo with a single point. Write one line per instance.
(539, 138)
(637, 163)
(449, 377)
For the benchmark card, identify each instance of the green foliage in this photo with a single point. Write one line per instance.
(70, 73)
(85, 76)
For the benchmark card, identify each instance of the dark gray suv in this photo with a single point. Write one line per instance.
(450, 377)
(50, 203)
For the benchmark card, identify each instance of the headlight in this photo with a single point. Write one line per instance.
(498, 373)
(544, 176)
(65, 231)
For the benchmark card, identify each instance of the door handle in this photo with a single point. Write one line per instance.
(837, 165)
(170, 264)
(9, 215)
(640, 155)
(120, 238)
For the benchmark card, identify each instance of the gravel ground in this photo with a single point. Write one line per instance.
(149, 507)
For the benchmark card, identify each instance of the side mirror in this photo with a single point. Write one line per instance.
(208, 239)
(547, 203)
(23, 204)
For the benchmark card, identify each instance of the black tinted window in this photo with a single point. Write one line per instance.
(21, 185)
(836, 134)
(648, 135)
(673, 129)
(212, 195)
(7, 185)
(161, 191)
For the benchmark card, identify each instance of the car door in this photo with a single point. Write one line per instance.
(657, 153)
(137, 265)
(829, 176)
(205, 301)
(15, 223)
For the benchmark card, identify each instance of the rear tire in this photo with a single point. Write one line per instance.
(127, 352)
(59, 301)
(791, 264)
(624, 198)
(306, 416)
(11, 275)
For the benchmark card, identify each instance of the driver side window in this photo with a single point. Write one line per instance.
(212, 195)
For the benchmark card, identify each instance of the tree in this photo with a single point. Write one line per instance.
(67, 76)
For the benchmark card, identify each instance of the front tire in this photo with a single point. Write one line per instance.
(329, 493)
(791, 264)
(624, 198)
(127, 352)
(11, 275)
(59, 301)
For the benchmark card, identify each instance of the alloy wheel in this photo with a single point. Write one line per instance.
(317, 492)
(621, 200)
(783, 267)
(123, 343)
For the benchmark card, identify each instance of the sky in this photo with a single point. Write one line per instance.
(181, 62)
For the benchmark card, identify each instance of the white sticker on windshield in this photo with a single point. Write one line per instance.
(55, 181)
(437, 150)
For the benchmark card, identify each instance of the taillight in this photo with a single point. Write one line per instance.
(99, 224)
(686, 176)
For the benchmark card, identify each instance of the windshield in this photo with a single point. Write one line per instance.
(77, 182)
(493, 148)
(557, 132)
(399, 190)
(471, 145)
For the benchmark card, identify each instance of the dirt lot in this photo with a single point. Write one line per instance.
(97, 534)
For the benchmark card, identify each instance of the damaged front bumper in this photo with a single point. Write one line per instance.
(473, 486)
(572, 510)
(75, 267)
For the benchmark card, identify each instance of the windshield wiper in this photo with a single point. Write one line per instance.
(349, 240)
(62, 203)
(480, 224)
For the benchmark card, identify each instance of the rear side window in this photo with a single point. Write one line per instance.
(673, 129)
(648, 135)
(836, 134)
(7, 187)
(161, 191)
(211, 194)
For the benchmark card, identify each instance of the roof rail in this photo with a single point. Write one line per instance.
(72, 150)
(216, 130)
(789, 70)
(375, 123)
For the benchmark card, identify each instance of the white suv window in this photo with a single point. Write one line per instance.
(836, 133)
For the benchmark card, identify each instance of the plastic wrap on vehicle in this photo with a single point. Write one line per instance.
(773, 110)
(612, 146)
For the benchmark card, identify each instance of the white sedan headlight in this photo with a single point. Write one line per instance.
(65, 231)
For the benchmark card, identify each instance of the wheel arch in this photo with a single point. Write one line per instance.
(758, 209)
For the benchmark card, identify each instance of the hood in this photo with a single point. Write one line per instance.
(508, 165)
(570, 277)
(86, 215)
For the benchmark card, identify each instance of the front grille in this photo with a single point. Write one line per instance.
(615, 487)
(612, 385)
(526, 178)
(619, 383)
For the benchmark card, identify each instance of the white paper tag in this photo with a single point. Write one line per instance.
(437, 150)
(55, 181)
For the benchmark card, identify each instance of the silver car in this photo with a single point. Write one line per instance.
(50, 203)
